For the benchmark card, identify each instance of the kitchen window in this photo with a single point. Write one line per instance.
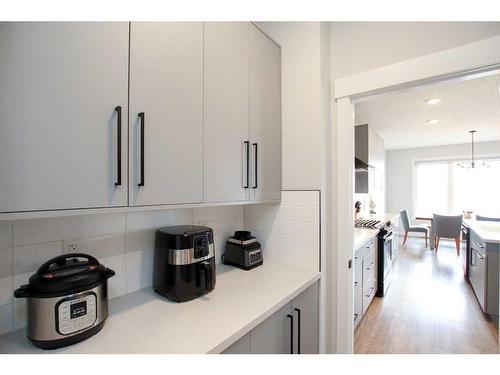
(446, 188)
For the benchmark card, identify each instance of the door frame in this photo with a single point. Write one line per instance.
(469, 58)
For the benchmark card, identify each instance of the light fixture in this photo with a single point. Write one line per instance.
(432, 122)
(473, 163)
(433, 101)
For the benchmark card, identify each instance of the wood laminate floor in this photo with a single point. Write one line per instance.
(429, 308)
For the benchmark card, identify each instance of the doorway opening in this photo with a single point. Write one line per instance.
(427, 217)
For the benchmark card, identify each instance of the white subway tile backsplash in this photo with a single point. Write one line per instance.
(298, 213)
(30, 257)
(33, 231)
(137, 221)
(300, 198)
(308, 245)
(270, 254)
(6, 290)
(117, 263)
(288, 232)
(299, 258)
(20, 313)
(5, 234)
(268, 211)
(139, 279)
(138, 260)
(299, 229)
(104, 246)
(224, 212)
(122, 242)
(117, 286)
(255, 224)
(5, 262)
(141, 240)
(6, 319)
(98, 225)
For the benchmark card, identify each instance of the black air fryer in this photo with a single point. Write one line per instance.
(184, 263)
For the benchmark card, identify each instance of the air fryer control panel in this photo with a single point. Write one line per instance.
(76, 313)
(200, 245)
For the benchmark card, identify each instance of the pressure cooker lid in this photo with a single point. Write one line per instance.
(68, 273)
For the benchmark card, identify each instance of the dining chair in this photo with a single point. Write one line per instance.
(486, 218)
(447, 227)
(415, 228)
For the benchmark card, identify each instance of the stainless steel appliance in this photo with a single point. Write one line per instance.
(184, 262)
(367, 223)
(67, 300)
(386, 253)
(243, 251)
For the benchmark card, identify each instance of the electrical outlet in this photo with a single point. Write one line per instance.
(71, 245)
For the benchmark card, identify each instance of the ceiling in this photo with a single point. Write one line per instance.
(400, 118)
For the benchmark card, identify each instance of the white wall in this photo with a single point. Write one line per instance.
(362, 46)
(301, 101)
(399, 164)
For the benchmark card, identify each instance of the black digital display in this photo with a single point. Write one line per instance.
(78, 309)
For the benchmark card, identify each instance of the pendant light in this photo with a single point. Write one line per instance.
(473, 163)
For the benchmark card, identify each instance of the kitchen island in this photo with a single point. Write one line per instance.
(144, 322)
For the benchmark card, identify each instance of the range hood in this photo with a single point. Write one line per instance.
(360, 165)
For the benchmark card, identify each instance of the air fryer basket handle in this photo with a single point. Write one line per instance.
(209, 277)
(44, 267)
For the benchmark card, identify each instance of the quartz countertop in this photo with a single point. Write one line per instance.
(489, 231)
(363, 235)
(144, 322)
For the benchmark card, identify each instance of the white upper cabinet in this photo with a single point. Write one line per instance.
(166, 86)
(59, 85)
(226, 111)
(265, 116)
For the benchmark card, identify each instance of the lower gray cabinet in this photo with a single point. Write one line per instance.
(305, 308)
(293, 329)
(242, 346)
(273, 336)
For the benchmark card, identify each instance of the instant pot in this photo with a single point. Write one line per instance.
(67, 300)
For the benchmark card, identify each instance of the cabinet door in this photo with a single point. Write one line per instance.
(60, 84)
(273, 335)
(242, 346)
(166, 85)
(265, 116)
(226, 125)
(305, 308)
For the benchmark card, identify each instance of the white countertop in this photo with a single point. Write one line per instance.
(145, 322)
(489, 231)
(363, 235)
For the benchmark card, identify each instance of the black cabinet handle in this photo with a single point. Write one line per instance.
(247, 146)
(356, 317)
(256, 185)
(118, 110)
(298, 330)
(141, 117)
(291, 332)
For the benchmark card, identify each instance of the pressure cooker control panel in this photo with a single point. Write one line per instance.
(76, 313)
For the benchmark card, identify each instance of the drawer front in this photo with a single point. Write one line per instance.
(370, 265)
(358, 304)
(358, 274)
(361, 252)
(369, 289)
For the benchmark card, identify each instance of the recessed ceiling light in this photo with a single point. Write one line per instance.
(432, 101)
(432, 122)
